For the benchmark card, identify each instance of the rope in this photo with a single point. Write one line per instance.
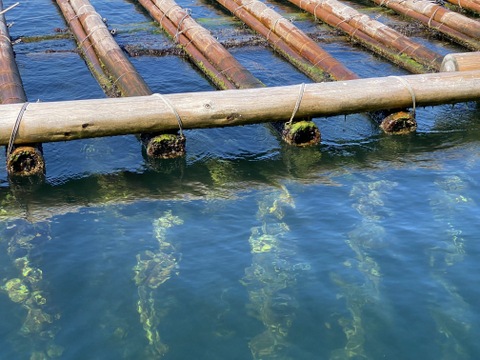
(273, 28)
(16, 126)
(241, 6)
(177, 116)
(433, 15)
(297, 104)
(187, 14)
(410, 90)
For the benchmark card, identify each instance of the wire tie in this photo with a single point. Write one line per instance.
(297, 104)
(175, 112)
(16, 126)
(410, 90)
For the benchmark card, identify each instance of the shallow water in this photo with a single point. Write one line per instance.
(364, 247)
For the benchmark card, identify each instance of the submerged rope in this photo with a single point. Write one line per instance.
(16, 126)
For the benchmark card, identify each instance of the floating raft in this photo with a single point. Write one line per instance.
(148, 114)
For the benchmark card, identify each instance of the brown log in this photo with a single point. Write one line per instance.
(467, 4)
(61, 121)
(296, 39)
(457, 36)
(22, 161)
(461, 62)
(357, 25)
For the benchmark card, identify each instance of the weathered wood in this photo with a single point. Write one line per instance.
(61, 121)
(461, 62)
(467, 4)
(296, 39)
(357, 25)
(22, 161)
(453, 34)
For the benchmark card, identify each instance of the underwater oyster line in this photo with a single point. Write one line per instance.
(27, 288)
(448, 204)
(369, 233)
(271, 277)
(154, 268)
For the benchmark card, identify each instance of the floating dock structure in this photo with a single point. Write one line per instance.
(149, 115)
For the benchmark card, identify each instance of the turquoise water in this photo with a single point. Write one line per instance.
(364, 247)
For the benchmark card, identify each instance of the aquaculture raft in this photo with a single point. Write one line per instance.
(148, 114)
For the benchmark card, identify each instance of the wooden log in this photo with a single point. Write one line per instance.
(296, 39)
(357, 24)
(467, 4)
(461, 62)
(177, 21)
(125, 76)
(27, 160)
(453, 34)
(62, 121)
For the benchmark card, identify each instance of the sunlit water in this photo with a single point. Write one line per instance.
(365, 247)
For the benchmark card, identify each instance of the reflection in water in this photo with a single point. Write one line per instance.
(27, 287)
(271, 277)
(154, 268)
(450, 312)
(368, 235)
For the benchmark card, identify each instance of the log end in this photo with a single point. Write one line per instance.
(26, 161)
(165, 146)
(401, 122)
(301, 133)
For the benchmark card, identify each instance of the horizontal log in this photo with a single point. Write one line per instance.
(69, 120)
(461, 62)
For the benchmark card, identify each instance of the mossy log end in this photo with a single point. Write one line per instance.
(299, 133)
(26, 161)
(164, 146)
(401, 122)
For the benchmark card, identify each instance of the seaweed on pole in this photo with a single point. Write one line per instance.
(154, 268)
(27, 287)
(26, 160)
(271, 278)
(451, 311)
(369, 234)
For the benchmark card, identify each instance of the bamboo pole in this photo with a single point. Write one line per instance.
(362, 28)
(456, 21)
(26, 160)
(85, 46)
(296, 39)
(461, 62)
(429, 21)
(70, 120)
(126, 78)
(176, 20)
(467, 4)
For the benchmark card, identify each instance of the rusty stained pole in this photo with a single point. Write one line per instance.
(25, 160)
